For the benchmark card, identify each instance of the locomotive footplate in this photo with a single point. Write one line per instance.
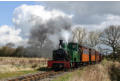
(58, 64)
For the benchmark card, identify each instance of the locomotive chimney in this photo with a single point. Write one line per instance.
(61, 43)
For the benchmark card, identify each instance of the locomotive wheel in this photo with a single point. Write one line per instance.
(57, 67)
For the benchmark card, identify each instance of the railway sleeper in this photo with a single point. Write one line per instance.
(14, 80)
(36, 77)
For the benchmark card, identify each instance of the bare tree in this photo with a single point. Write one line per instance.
(38, 36)
(111, 37)
(10, 44)
(93, 38)
(79, 35)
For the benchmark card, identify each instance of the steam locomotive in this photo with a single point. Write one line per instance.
(72, 55)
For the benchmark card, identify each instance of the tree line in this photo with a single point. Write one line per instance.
(106, 41)
(6, 51)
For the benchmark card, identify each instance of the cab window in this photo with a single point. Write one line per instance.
(85, 51)
(72, 46)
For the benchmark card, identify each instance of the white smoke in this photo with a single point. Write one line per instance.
(67, 35)
(40, 23)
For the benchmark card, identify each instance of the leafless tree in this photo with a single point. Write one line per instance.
(10, 44)
(111, 37)
(38, 36)
(79, 35)
(93, 38)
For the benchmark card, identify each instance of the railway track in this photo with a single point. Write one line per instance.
(40, 76)
(37, 76)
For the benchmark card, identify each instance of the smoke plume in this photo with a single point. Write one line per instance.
(52, 30)
(43, 26)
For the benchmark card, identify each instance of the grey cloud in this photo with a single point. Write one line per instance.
(87, 12)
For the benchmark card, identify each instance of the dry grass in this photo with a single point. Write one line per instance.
(105, 71)
(92, 73)
(23, 61)
(11, 64)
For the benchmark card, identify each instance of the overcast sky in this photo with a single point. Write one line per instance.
(91, 15)
(87, 12)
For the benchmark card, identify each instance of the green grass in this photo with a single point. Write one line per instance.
(68, 76)
(64, 77)
(14, 74)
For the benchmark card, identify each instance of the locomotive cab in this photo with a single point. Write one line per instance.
(74, 52)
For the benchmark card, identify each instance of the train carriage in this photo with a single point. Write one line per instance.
(84, 55)
(93, 59)
(97, 56)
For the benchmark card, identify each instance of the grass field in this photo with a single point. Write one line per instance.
(13, 66)
(15, 74)
(105, 71)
